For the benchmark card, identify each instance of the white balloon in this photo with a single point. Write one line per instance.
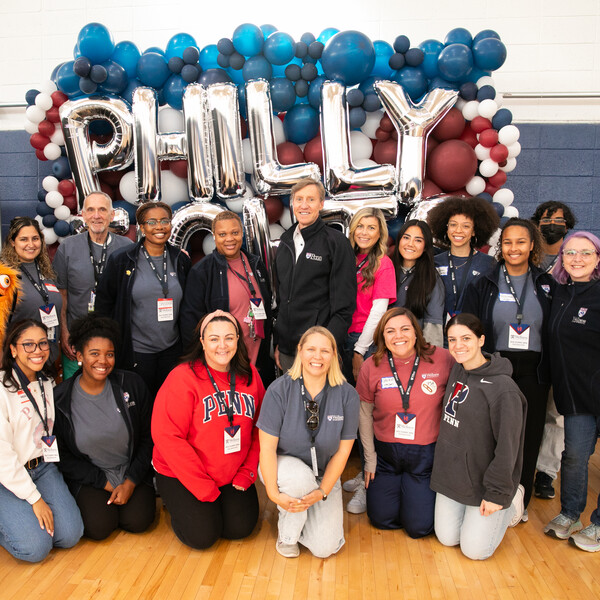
(475, 186)
(247, 152)
(49, 183)
(488, 167)
(62, 213)
(508, 135)
(460, 103)
(128, 187)
(485, 80)
(361, 163)
(208, 244)
(51, 151)
(275, 231)
(481, 152)
(54, 199)
(499, 99)
(170, 120)
(44, 101)
(235, 204)
(35, 114)
(173, 189)
(504, 196)
(30, 127)
(49, 236)
(286, 218)
(40, 220)
(48, 87)
(248, 191)
(58, 137)
(360, 146)
(493, 242)
(371, 125)
(510, 165)
(488, 108)
(511, 211)
(514, 150)
(278, 131)
(470, 110)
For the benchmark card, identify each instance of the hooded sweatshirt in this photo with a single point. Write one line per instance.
(479, 452)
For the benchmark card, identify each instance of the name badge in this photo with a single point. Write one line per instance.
(313, 460)
(48, 315)
(51, 287)
(443, 271)
(388, 382)
(518, 336)
(232, 439)
(504, 297)
(258, 308)
(406, 424)
(50, 448)
(164, 308)
(92, 302)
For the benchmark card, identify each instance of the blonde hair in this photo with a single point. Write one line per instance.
(334, 375)
(379, 249)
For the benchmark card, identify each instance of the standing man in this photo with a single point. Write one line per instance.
(554, 220)
(79, 263)
(316, 274)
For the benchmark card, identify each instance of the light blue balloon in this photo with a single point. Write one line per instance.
(383, 52)
(348, 57)
(279, 48)
(248, 39)
(208, 57)
(173, 91)
(178, 43)
(95, 42)
(66, 80)
(127, 55)
(431, 49)
(267, 30)
(327, 34)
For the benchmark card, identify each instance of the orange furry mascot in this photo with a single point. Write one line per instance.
(10, 285)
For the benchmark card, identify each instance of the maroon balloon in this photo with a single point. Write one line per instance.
(488, 138)
(450, 127)
(70, 202)
(273, 208)
(40, 155)
(112, 178)
(179, 168)
(107, 189)
(289, 153)
(469, 136)
(243, 127)
(499, 153)
(66, 187)
(46, 128)
(58, 98)
(39, 141)
(386, 152)
(479, 124)
(386, 123)
(490, 189)
(52, 114)
(431, 144)
(498, 179)
(452, 165)
(430, 189)
(382, 135)
(313, 152)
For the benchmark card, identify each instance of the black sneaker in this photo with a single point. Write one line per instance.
(543, 486)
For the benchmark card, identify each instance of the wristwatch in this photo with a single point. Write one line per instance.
(322, 492)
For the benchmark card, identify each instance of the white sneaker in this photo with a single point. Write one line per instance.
(517, 503)
(358, 502)
(288, 550)
(352, 484)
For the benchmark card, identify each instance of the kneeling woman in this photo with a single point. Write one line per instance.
(206, 444)
(479, 452)
(103, 424)
(401, 388)
(307, 428)
(37, 511)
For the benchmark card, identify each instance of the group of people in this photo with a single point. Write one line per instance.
(442, 364)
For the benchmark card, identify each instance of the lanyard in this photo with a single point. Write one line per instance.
(407, 274)
(164, 282)
(458, 292)
(43, 292)
(520, 301)
(313, 434)
(24, 387)
(361, 264)
(98, 266)
(405, 394)
(229, 411)
(246, 279)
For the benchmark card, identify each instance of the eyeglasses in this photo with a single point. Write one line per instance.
(552, 221)
(155, 222)
(464, 226)
(583, 253)
(30, 347)
(313, 419)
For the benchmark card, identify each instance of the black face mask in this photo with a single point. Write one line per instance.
(553, 233)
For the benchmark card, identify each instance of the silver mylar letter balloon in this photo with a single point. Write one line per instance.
(87, 158)
(270, 177)
(342, 211)
(342, 179)
(120, 222)
(191, 218)
(414, 123)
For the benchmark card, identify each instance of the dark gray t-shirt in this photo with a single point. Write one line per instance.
(75, 272)
(434, 311)
(283, 415)
(505, 312)
(100, 431)
(150, 335)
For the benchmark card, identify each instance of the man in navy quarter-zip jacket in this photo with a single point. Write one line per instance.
(316, 274)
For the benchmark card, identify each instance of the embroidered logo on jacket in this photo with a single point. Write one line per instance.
(311, 256)
(458, 396)
(215, 405)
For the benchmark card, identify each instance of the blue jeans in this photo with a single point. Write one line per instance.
(581, 434)
(20, 531)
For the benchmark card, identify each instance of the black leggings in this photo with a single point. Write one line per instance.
(101, 519)
(233, 515)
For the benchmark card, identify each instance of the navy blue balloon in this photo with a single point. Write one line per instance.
(248, 39)
(314, 91)
(502, 118)
(308, 72)
(175, 207)
(189, 74)
(460, 35)
(301, 49)
(41, 195)
(175, 64)
(397, 61)
(315, 49)
(486, 92)
(503, 221)
(235, 76)
(394, 227)
(42, 209)
(366, 86)
(279, 48)
(414, 57)
(152, 70)
(468, 91)
(62, 228)
(371, 102)
(355, 97)
(283, 94)
(191, 55)
(236, 61)
(30, 96)
(486, 33)
(178, 43)
(413, 80)
(95, 42)
(485, 196)
(87, 86)
(225, 46)
(357, 117)
(173, 91)
(476, 74)
(214, 76)
(383, 53)
(49, 220)
(440, 82)
(242, 101)
(301, 123)
(489, 53)
(223, 61)
(401, 44)
(301, 88)
(61, 169)
(127, 55)
(431, 50)
(82, 66)
(455, 62)
(267, 30)
(127, 207)
(98, 74)
(499, 208)
(116, 79)
(257, 67)
(308, 38)
(293, 72)
(309, 59)
(349, 57)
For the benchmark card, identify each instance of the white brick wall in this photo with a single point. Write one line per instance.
(553, 45)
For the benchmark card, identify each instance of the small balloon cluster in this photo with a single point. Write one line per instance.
(469, 151)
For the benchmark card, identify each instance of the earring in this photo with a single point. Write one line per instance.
(79, 363)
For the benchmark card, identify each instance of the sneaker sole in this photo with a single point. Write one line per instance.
(545, 495)
(357, 510)
(553, 534)
(595, 548)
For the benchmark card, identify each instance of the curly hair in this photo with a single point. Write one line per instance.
(379, 249)
(482, 213)
(92, 326)
(552, 206)
(9, 255)
(534, 235)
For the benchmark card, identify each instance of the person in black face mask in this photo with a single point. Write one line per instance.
(554, 220)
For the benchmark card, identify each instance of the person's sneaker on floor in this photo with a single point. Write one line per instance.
(543, 486)
(353, 484)
(562, 527)
(288, 550)
(587, 539)
(517, 503)
(525, 516)
(358, 502)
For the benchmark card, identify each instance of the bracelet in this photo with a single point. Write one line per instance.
(322, 492)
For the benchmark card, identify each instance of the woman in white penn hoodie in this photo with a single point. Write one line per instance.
(479, 452)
